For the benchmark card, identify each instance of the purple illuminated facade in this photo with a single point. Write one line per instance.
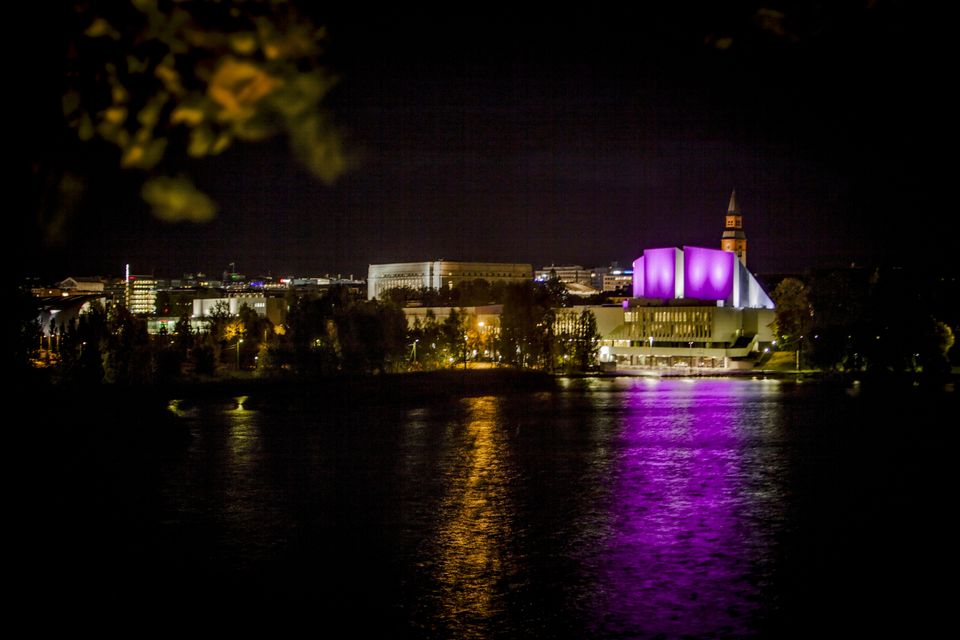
(660, 273)
(707, 273)
(638, 275)
(697, 273)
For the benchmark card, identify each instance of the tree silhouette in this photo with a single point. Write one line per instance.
(793, 312)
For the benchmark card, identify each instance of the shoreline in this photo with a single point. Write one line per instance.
(421, 385)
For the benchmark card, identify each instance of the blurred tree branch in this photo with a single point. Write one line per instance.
(166, 81)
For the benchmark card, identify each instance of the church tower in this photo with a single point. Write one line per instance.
(734, 239)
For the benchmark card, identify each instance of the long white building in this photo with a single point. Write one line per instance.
(441, 274)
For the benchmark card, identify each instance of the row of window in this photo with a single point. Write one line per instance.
(669, 323)
(393, 277)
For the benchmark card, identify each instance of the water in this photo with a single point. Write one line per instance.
(616, 508)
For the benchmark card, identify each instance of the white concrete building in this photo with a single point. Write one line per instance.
(441, 274)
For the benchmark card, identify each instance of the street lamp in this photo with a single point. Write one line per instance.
(239, 342)
(481, 337)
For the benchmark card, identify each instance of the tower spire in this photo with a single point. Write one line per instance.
(732, 207)
(733, 238)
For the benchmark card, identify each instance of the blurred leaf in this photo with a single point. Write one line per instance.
(188, 115)
(201, 139)
(202, 39)
(774, 22)
(101, 27)
(136, 65)
(150, 114)
(178, 200)
(260, 126)
(113, 132)
(154, 153)
(144, 155)
(146, 6)
(70, 102)
(304, 92)
(132, 156)
(244, 42)
(143, 135)
(69, 192)
(238, 85)
(169, 76)
(223, 141)
(299, 39)
(319, 147)
(119, 93)
(85, 128)
(115, 115)
(174, 88)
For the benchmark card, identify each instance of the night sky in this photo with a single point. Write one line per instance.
(577, 140)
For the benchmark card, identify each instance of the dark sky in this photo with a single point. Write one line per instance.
(582, 140)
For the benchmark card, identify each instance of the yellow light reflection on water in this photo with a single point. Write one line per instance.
(475, 522)
(243, 439)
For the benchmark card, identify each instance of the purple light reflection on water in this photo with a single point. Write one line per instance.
(689, 548)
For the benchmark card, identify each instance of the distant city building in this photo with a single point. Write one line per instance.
(565, 273)
(168, 325)
(141, 294)
(618, 280)
(316, 285)
(596, 277)
(579, 290)
(79, 286)
(270, 307)
(441, 274)
(486, 317)
(232, 279)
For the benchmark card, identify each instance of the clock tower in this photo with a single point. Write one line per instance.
(734, 239)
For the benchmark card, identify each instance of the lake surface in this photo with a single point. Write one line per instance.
(610, 508)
